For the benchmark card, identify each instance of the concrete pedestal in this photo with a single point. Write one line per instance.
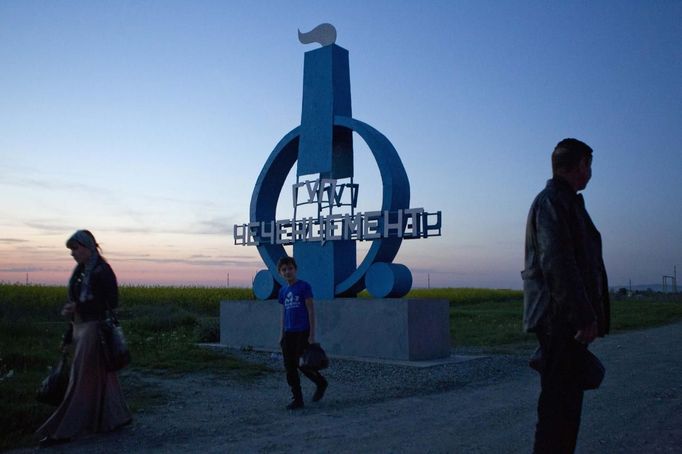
(398, 329)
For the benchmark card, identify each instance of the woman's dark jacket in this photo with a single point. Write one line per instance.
(564, 281)
(104, 290)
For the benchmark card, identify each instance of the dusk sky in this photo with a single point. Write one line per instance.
(148, 122)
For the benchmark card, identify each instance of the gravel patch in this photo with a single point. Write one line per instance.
(481, 406)
(361, 382)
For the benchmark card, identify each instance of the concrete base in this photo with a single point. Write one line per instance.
(395, 329)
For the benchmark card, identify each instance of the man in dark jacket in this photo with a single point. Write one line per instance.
(566, 300)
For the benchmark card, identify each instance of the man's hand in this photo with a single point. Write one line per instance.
(69, 309)
(588, 334)
(311, 339)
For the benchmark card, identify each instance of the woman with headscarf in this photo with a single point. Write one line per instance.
(94, 401)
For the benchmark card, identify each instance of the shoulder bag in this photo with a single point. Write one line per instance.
(113, 342)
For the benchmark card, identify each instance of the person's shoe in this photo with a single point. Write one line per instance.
(319, 391)
(295, 404)
(49, 441)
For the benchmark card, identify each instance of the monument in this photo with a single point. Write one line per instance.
(324, 244)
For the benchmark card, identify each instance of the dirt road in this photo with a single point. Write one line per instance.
(486, 405)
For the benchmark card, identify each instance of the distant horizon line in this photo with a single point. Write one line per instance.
(613, 288)
(134, 285)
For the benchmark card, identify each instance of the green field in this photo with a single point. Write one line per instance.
(162, 326)
(492, 318)
(164, 323)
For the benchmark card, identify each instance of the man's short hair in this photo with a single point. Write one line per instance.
(568, 153)
(286, 260)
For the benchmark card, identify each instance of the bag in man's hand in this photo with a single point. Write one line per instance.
(314, 358)
(114, 345)
(53, 388)
(592, 372)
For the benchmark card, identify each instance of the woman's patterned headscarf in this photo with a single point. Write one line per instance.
(85, 238)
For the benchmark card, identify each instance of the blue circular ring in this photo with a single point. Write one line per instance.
(395, 196)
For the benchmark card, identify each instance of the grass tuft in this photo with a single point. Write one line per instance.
(208, 330)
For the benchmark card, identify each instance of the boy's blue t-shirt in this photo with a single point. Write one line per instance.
(293, 297)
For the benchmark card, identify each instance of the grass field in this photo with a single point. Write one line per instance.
(492, 318)
(163, 324)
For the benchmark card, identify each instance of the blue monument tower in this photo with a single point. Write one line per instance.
(326, 149)
(325, 227)
(324, 244)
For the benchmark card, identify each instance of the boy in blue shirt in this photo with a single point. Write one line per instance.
(297, 331)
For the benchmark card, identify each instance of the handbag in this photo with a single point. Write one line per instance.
(53, 388)
(314, 358)
(592, 372)
(114, 346)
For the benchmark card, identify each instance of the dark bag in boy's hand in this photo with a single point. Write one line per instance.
(314, 358)
(114, 346)
(53, 388)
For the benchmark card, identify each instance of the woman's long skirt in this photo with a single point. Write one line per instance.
(94, 401)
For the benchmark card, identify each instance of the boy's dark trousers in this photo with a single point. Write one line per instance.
(561, 398)
(293, 345)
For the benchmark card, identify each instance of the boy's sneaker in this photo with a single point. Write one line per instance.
(319, 392)
(295, 404)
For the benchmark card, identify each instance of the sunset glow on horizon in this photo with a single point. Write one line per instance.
(149, 126)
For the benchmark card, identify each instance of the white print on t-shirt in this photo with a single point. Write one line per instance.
(292, 301)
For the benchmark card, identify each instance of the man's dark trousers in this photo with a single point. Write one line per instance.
(293, 345)
(561, 397)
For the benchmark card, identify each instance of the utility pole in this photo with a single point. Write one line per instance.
(674, 278)
(630, 286)
(228, 280)
(26, 278)
(428, 280)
